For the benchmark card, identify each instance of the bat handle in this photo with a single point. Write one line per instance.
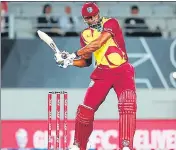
(57, 50)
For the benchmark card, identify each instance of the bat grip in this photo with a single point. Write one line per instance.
(57, 50)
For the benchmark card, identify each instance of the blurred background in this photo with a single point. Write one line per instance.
(29, 72)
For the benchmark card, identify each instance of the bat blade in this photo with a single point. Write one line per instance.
(48, 40)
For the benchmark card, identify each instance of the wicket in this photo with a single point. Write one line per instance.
(58, 119)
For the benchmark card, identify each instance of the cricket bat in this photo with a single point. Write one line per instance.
(48, 40)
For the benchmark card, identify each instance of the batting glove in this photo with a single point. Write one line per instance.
(62, 59)
(65, 63)
(73, 56)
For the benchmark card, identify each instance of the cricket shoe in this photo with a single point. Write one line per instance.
(74, 147)
(126, 148)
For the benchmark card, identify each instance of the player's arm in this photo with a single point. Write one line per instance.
(82, 62)
(85, 60)
(94, 45)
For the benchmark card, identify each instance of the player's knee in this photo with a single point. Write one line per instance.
(85, 114)
(127, 101)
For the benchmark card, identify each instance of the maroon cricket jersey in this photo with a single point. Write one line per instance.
(113, 52)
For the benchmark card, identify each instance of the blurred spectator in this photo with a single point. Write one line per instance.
(135, 25)
(49, 24)
(69, 22)
(4, 19)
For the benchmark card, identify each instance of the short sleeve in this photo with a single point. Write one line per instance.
(111, 26)
(82, 43)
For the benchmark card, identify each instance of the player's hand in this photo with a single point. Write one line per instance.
(60, 56)
(72, 56)
(65, 63)
(62, 59)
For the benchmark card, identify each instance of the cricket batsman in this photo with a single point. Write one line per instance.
(103, 38)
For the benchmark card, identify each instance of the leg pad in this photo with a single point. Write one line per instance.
(83, 126)
(127, 121)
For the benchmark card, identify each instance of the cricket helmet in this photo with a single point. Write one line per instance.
(89, 9)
